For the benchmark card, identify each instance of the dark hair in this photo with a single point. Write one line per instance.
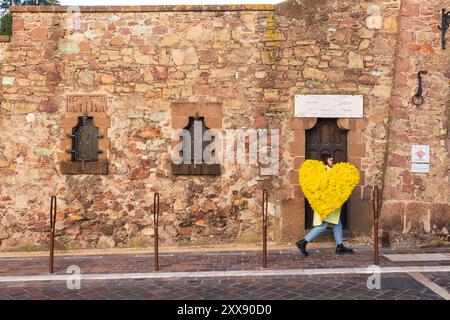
(325, 158)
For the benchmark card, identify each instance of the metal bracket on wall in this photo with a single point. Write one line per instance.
(445, 24)
(418, 98)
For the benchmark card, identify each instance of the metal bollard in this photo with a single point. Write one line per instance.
(265, 201)
(155, 226)
(52, 232)
(376, 203)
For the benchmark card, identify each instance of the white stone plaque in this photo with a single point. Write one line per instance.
(420, 153)
(420, 167)
(329, 106)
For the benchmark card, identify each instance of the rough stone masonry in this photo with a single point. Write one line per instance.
(129, 66)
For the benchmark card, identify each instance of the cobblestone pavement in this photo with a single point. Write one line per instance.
(210, 261)
(348, 286)
(393, 287)
(441, 279)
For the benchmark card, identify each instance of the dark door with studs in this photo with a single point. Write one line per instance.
(325, 138)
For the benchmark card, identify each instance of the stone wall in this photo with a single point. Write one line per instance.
(251, 60)
(141, 61)
(339, 47)
(3, 45)
(417, 206)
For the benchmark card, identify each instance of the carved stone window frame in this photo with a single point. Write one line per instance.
(91, 105)
(180, 114)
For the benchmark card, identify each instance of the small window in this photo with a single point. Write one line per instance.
(194, 161)
(85, 149)
(85, 141)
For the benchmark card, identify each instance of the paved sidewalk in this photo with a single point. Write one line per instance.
(393, 287)
(214, 261)
(282, 285)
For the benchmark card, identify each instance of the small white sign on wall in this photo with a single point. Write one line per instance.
(329, 106)
(420, 154)
(420, 158)
(420, 167)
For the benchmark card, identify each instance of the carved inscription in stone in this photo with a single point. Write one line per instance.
(86, 104)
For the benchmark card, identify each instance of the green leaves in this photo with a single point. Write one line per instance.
(6, 24)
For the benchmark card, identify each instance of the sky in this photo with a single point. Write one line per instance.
(160, 2)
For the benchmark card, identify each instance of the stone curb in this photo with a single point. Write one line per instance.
(214, 274)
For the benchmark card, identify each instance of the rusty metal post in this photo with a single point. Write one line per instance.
(265, 202)
(52, 232)
(376, 207)
(155, 225)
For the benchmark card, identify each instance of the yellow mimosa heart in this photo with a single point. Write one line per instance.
(327, 190)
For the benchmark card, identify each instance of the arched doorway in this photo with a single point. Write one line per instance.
(326, 137)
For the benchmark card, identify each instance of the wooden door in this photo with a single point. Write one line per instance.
(325, 138)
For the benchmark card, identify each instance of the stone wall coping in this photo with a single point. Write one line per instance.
(155, 8)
